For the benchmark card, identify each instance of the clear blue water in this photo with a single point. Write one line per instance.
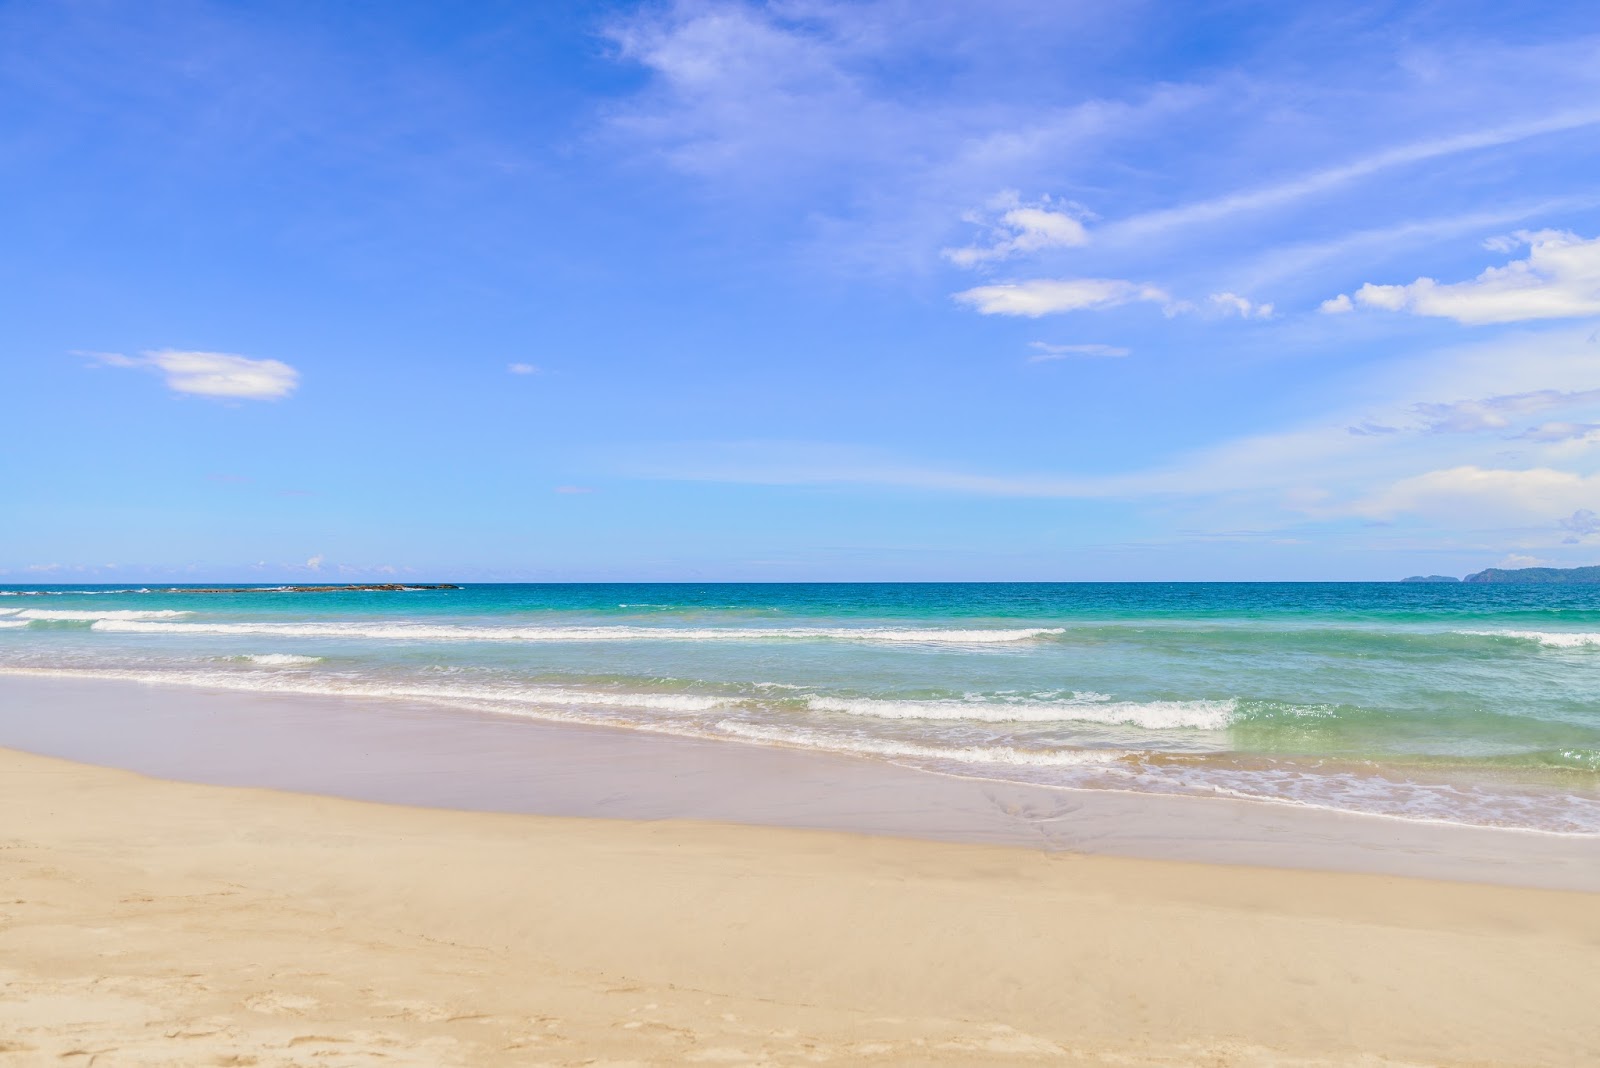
(1463, 703)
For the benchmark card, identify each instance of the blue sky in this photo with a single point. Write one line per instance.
(719, 290)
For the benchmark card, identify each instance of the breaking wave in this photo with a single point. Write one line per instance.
(457, 632)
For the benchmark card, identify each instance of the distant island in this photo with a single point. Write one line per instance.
(1550, 576)
(384, 586)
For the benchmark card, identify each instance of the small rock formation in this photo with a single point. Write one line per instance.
(379, 586)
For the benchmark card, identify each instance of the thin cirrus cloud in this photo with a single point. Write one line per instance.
(1330, 178)
(1559, 279)
(1050, 296)
(1045, 352)
(1499, 412)
(523, 369)
(211, 374)
(1312, 472)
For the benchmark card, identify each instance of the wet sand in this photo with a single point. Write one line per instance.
(445, 757)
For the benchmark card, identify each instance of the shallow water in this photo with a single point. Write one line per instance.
(1456, 703)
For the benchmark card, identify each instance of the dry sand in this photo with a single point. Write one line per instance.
(151, 922)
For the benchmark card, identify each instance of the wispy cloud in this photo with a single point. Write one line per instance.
(1312, 183)
(1243, 307)
(1559, 432)
(1049, 296)
(1318, 470)
(523, 369)
(1497, 413)
(1484, 495)
(1045, 352)
(211, 374)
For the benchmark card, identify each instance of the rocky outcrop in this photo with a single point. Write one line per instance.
(383, 586)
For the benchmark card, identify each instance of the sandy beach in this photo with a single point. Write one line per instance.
(149, 922)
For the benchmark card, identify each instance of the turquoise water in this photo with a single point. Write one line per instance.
(1461, 703)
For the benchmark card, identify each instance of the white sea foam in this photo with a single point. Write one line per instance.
(13, 624)
(1555, 639)
(332, 685)
(971, 754)
(1152, 715)
(1300, 785)
(281, 659)
(87, 615)
(459, 632)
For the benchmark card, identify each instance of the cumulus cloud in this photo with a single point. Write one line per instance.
(1243, 307)
(1045, 352)
(315, 563)
(1559, 279)
(1048, 296)
(1015, 228)
(211, 374)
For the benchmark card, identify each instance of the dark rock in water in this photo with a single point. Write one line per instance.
(381, 586)
(1431, 578)
(1569, 576)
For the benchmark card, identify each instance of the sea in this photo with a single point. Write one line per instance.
(1445, 702)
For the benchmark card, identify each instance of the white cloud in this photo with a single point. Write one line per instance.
(1243, 307)
(315, 562)
(1484, 495)
(1046, 352)
(1336, 305)
(523, 368)
(212, 374)
(1560, 279)
(1020, 229)
(1047, 296)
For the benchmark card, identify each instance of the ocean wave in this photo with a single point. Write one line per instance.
(1151, 715)
(279, 659)
(461, 633)
(90, 615)
(70, 593)
(1331, 785)
(13, 624)
(341, 686)
(969, 754)
(1554, 639)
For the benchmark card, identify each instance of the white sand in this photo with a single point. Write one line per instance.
(153, 923)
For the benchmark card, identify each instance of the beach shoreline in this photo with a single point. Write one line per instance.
(155, 922)
(421, 754)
